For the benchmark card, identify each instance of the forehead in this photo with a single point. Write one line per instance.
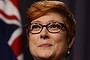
(50, 17)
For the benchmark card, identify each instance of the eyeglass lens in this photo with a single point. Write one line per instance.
(53, 27)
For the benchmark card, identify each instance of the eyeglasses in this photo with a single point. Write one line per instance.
(53, 27)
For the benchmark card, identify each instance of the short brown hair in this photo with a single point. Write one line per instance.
(39, 9)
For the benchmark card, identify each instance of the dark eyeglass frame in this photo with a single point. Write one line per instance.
(64, 28)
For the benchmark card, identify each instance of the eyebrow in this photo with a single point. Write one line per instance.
(35, 21)
(40, 21)
(46, 23)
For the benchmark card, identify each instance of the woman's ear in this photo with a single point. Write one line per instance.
(71, 42)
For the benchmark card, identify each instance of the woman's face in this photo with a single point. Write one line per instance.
(45, 44)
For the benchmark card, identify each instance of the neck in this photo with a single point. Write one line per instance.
(52, 59)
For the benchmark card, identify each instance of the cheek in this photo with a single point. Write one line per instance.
(32, 43)
(60, 43)
(58, 38)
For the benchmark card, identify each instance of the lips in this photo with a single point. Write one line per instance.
(45, 45)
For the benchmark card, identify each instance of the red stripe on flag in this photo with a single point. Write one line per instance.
(17, 46)
(7, 16)
(15, 2)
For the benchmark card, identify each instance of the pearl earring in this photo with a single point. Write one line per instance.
(68, 52)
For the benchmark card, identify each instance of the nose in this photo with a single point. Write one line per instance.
(44, 34)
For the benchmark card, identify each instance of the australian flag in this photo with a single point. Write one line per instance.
(10, 31)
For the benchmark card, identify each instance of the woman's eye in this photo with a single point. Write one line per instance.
(35, 27)
(55, 26)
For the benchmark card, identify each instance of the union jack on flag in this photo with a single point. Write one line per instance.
(10, 31)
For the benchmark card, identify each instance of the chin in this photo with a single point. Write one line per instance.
(44, 56)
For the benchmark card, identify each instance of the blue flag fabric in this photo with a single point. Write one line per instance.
(10, 31)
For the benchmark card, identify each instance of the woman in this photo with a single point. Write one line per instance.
(50, 30)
